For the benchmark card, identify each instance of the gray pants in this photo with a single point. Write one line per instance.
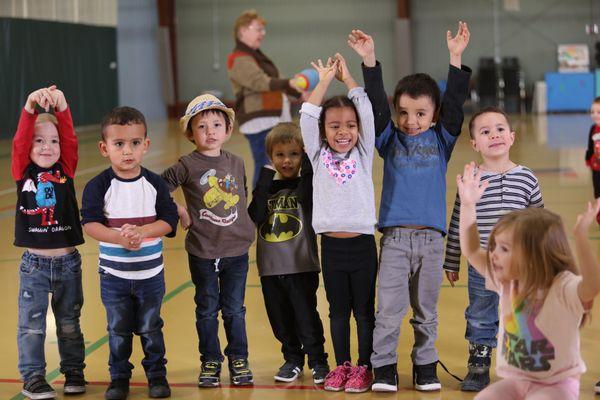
(410, 268)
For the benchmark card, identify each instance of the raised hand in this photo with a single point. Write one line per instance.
(470, 186)
(364, 46)
(42, 97)
(458, 43)
(326, 71)
(60, 102)
(585, 219)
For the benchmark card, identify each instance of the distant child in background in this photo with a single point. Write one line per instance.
(214, 186)
(412, 214)
(510, 187)
(592, 154)
(339, 141)
(529, 264)
(286, 253)
(43, 163)
(128, 209)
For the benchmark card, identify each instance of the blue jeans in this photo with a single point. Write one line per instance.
(220, 285)
(482, 312)
(38, 276)
(259, 153)
(133, 306)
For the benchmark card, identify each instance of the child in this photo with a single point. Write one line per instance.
(44, 159)
(127, 208)
(510, 187)
(281, 208)
(529, 264)
(339, 138)
(412, 214)
(592, 154)
(214, 185)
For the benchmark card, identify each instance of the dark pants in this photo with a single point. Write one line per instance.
(133, 306)
(220, 285)
(349, 274)
(291, 303)
(259, 153)
(596, 183)
(38, 276)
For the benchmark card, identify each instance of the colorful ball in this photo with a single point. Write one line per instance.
(307, 79)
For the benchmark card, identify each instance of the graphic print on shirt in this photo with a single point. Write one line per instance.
(283, 223)
(220, 190)
(416, 154)
(524, 346)
(595, 162)
(342, 170)
(45, 196)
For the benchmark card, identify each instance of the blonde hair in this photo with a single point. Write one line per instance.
(283, 132)
(246, 19)
(47, 117)
(540, 251)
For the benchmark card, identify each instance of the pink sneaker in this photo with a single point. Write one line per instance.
(359, 380)
(335, 381)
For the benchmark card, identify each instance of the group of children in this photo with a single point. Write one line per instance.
(319, 182)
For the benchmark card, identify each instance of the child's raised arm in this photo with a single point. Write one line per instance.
(470, 190)
(364, 46)
(458, 43)
(326, 74)
(343, 74)
(590, 270)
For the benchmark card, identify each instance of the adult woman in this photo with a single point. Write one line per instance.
(260, 94)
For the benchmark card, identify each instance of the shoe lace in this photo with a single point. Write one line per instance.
(339, 373)
(357, 372)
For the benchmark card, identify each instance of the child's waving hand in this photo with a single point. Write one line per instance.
(470, 186)
(458, 43)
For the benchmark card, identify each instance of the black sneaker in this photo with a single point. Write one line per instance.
(37, 388)
(425, 377)
(597, 387)
(158, 388)
(386, 379)
(288, 372)
(74, 382)
(478, 377)
(210, 374)
(117, 390)
(239, 372)
(319, 373)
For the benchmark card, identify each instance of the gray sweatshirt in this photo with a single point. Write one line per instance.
(343, 199)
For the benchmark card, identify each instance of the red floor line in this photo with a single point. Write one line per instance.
(190, 385)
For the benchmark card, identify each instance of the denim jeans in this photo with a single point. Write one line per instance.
(259, 153)
(133, 306)
(38, 276)
(482, 312)
(220, 285)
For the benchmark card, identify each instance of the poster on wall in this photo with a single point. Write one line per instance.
(573, 58)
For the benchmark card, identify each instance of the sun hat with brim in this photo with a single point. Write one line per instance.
(202, 103)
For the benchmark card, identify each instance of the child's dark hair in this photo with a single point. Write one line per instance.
(123, 116)
(491, 109)
(417, 85)
(335, 102)
(596, 100)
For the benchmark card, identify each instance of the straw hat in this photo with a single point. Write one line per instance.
(202, 103)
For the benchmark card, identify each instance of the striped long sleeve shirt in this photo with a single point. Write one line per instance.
(510, 191)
